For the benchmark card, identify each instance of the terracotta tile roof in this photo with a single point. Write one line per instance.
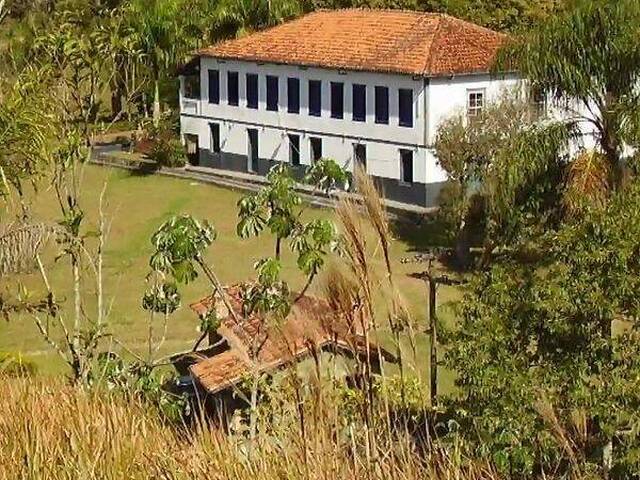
(254, 344)
(221, 371)
(413, 43)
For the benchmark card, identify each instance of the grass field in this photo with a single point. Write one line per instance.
(135, 206)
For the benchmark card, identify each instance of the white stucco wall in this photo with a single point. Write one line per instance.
(433, 100)
(448, 96)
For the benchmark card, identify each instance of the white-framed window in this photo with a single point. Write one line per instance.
(406, 167)
(215, 137)
(294, 149)
(360, 155)
(475, 102)
(315, 144)
(538, 101)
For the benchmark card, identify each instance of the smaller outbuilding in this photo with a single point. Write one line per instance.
(311, 339)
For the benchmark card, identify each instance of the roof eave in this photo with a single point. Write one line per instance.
(469, 73)
(310, 65)
(356, 69)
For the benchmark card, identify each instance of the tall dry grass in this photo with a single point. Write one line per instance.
(51, 430)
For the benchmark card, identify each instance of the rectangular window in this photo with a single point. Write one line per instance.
(315, 98)
(232, 88)
(294, 149)
(406, 166)
(214, 86)
(382, 105)
(252, 90)
(405, 107)
(359, 103)
(538, 100)
(360, 155)
(215, 137)
(192, 86)
(293, 95)
(475, 102)
(272, 93)
(337, 100)
(316, 148)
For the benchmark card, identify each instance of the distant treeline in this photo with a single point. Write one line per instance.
(506, 15)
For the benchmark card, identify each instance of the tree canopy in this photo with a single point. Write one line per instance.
(588, 60)
(550, 348)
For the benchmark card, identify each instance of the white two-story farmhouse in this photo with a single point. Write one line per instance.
(357, 86)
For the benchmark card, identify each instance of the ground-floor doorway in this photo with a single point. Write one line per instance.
(193, 148)
(252, 149)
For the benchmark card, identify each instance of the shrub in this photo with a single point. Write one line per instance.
(168, 152)
(123, 141)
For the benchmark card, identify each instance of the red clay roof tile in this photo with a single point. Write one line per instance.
(393, 41)
(310, 325)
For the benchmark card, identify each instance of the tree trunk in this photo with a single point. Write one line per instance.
(156, 102)
(610, 141)
(278, 246)
(253, 415)
(463, 247)
(487, 254)
(116, 98)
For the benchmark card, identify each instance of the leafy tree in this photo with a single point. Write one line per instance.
(269, 294)
(273, 207)
(25, 128)
(119, 40)
(589, 56)
(76, 59)
(504, 15)
(162, 33)
(159, 38)
(179, 245)
(544, 384)
(278, 208)
(74, 335)
(313, 242)
(326, 175)
(504, 174)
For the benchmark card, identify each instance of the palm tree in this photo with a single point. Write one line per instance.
(589, 56)
(156, 23)
(235, 18)
(118, 41)
(25, 128)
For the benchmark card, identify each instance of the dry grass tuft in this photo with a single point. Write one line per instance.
(20, 244)
(50, 430)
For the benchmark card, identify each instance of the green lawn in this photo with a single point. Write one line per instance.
(136, 206)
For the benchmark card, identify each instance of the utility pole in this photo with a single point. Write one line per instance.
(432, 281)
(433, 331)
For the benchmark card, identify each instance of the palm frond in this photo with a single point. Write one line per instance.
(20, 245)
(588, 183)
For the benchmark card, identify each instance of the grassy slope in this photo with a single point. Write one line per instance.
(136, 205)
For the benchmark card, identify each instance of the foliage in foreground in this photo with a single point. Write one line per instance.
(505, 173)
(552, 346)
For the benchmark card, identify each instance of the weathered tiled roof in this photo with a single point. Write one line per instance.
(397, 41)
(255, 344)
